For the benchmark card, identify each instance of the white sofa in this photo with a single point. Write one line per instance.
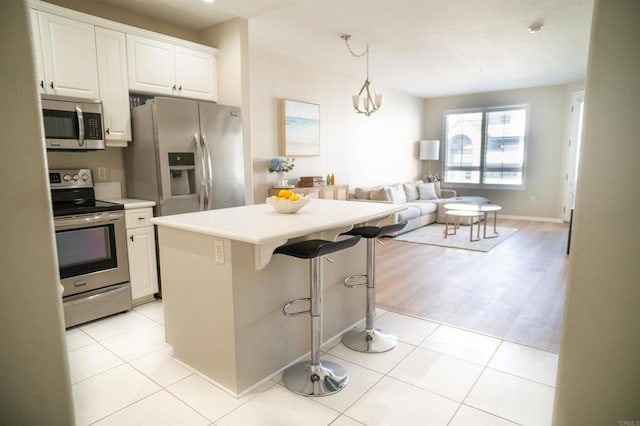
(424, 201)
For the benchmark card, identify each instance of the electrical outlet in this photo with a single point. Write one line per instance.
(102, 173)
(219, 251)
(532, 199)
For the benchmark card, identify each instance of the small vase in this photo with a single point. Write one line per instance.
(281, 182)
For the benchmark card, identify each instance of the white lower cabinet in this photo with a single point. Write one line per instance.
(141, 245)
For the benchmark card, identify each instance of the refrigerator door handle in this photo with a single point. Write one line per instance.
(209, 162)
(202, 188)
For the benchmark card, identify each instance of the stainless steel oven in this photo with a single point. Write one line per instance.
(92, 249)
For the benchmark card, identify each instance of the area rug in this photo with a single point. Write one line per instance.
(434, 235)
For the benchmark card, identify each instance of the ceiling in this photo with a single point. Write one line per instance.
(427, 48)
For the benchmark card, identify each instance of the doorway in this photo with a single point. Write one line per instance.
(573, 154)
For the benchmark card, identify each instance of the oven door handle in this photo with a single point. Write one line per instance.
(87, 220)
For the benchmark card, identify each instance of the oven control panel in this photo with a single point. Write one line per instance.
(71, 178)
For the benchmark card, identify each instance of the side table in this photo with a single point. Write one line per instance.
(329, 192)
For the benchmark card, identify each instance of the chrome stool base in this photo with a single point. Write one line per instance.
(370, 341)
(319, 380)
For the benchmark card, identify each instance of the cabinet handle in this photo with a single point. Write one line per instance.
(107, 131)
(131, 238)
(51, 84)
(42, 83)
(174, 87)
(180, 87)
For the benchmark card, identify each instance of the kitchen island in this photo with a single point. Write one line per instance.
(223, 291)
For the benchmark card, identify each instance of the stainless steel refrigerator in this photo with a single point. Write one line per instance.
(185, 155)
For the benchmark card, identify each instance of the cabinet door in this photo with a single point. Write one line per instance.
(37, 47)
(69, 56)
(342, 193)
(151, 66)
(195, 74)
(328, 193)
(141, 245)
(114, 87)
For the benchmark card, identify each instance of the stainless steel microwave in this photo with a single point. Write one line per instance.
(72, 124)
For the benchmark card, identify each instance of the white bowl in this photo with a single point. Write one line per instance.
(287, 206)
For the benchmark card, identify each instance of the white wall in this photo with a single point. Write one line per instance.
(34, 375)
(228, 37)
(359, 150)
(110, 158)
(599, 370)
(231, 38)
(542, 196)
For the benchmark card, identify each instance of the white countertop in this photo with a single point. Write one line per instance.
(259, 224)
(132, 203)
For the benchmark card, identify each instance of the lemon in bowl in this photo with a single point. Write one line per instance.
(287, 201)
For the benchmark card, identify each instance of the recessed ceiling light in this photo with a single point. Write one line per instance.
(208, 1)
(536, 27)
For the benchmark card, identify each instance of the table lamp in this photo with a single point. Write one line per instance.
(429, 150)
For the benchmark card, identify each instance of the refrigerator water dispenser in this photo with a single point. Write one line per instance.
(182, 173)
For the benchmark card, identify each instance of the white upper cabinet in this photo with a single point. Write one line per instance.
(37, 47)
(114, 88)
(69, 65)
(151, 65)
(158, 67)
(84, 56)
(196, 74)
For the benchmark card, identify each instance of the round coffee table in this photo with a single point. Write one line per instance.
(483, 209)
(457, 214)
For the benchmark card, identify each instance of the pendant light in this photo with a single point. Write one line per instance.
(366, 101)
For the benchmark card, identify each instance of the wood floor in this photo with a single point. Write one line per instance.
(515, 291)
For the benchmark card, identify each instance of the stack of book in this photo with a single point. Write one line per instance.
(311, 181)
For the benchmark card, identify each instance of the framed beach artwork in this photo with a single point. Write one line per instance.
(300, 128)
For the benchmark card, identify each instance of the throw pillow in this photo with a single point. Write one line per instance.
(411, 191)
(362, 193)
(427, 191)
(381, 194)
(397, 194)
(436, 187)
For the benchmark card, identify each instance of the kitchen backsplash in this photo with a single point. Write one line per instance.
(109, 161)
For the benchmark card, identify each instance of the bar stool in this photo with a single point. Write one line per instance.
(313, 378)
(370, 339)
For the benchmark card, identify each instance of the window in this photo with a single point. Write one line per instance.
(485, 146)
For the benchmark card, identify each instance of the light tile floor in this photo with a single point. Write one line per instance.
(123, 374)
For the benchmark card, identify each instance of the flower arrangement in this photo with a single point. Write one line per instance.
(281, 165)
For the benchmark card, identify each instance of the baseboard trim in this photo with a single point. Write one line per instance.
(531, 218)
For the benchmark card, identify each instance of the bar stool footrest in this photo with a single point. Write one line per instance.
(319, 380)
(369, 340)
(353, 277)
(292, 302)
